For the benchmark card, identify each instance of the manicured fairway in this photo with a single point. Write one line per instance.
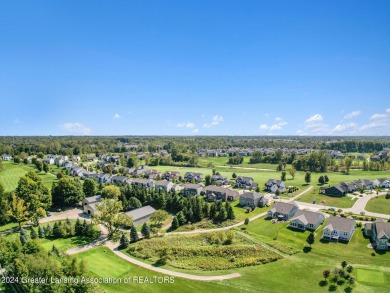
(379, 205)
(9, 177)
(370, 277)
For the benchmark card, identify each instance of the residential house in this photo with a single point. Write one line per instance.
(245, 182)
(171, 175)
(100, 178)
(120, 180)
(307, 220)
(282, 210)
(68, 165)
(141, 215)
(49, 160)
(152, 174)
(337, 190)
(193, 177)
(219, 180)
(253, 199)
(89, 204)
(143, 183)
(140, 171)
(77, 171)
(381, 182)
(214, 193)
(272, 185)
(191, 189)
(379, 232)
(339, 228)
(164, 185)
(6, 157)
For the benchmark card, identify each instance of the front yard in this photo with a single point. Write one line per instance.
(379, 205)
(322, 199)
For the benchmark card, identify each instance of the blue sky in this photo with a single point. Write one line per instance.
(195, 67)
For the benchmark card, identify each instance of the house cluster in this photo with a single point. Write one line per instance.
(343, 188)
(381, 155)
(264, 151)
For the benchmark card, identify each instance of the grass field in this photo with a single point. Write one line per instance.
(339, 202)
(370, 277)
(223, 161)
(379, 205)
(11, 174)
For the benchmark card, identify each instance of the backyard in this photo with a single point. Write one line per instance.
(379, 205)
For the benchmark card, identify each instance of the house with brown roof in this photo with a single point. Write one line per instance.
(339, 228)
(253, 199)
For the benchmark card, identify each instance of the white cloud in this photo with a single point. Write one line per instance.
(75, 128)
(116, 116)
(314, 119)
(277, 126)
(376, 125)
(214, 122)
(263, 127)
(378, 116)
(185, 125)
(353, 114)
(388, 110)
(196, 130)
(343, 127)
(300, 132)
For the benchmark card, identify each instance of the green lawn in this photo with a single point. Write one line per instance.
(102, 262)
(339, 202)
(223, 161)
(11, 174)
(8, 226)
(370, 277)
(379, 205)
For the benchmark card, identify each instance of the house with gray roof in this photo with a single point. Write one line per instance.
(142, 183)
(171, 175)
(379, 232)
(219, 180)
(282, 211)
(253, 199)
(214, 193)
(245, 182)
(164, 185)
(141, 215)
(193, 177)
(306, 220)
(6, 157)
(89, 204)
(339, 228)
(120, 180)
(272, 185)
(191, 189)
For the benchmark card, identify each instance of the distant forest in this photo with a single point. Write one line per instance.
(75, 145)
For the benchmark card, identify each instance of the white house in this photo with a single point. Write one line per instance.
(304, 219)
(381, 182)
(49, 161)
(339, 228)
(6, 157)
(272, 185)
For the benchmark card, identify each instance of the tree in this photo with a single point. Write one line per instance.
(45, 167)
(67, 192)
(207, 180)
(4, 206)
(56, 230)
(111, 191)
(246, 222)
(41, 232)
(175, 223)
(351, 281)
(344, 264)
(349, 269)
(133, 234)
(78, 228)
(108, 215)
(326, 274)
(234, 176)
(181, 218)
(307, 177)
(124, 242)
(90, 187)
(292, 172)
(283, 177)
(230, 212)
(321, 180)
(145, 231)
(310, 239)
(132, 162)
(134, 203)
(159, 217)
(347, 164)
(18, 209)
(33, 233)
(326, 179)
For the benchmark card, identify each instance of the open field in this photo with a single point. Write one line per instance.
(11, 174)
(223, 161)
(379, 205)
(338, 202)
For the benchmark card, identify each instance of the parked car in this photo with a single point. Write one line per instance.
(48, 214)
(331, 209)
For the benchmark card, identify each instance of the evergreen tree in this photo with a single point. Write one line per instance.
(145, 231)
(23, 239)
(181, 218)
(133, 234)
(33, 233)
(56, 230)
(41, 232)
(48, 230)
(222, 215)
(283, 177)
(84, 227)
(310, 239)
(124, 242)
(175, 223)
(308, 177)
(205, 210)
(207, 180)
(24, 233)
(234, 175)
(78, 228)
(229, 211)
(326, 179)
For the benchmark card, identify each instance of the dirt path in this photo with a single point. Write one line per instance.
(113, 247)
